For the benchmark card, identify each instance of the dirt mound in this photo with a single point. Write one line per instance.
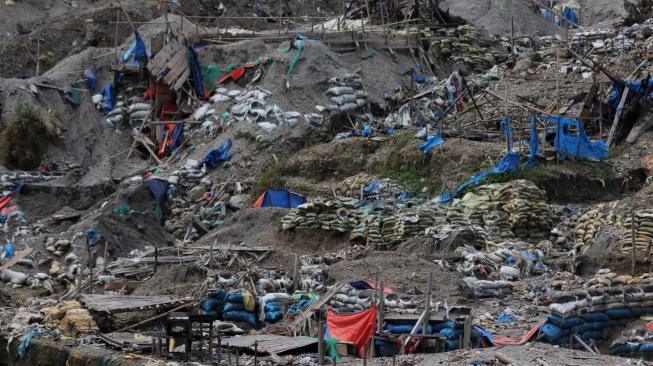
(397, 271)
(495, 15)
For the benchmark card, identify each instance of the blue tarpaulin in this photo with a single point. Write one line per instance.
(367, 130)
(93, 237)
(196, 71)
(572, 141)
(137, 49)
(431, 143)
(279, 198)
(506, 128)
(214, 157)
(107, 97)
(159, 189)
(508, 164)
(534, 142)
(371, 188)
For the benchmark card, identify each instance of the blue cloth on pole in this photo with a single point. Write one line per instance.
(506, 129)
(91, 80)
(431, 143)
(137, 49)
(159, 189)
(367, 130)
(570, 143)
(107, 97)
(214, 157)
(533, 142)
(196, 71)
(570, 14)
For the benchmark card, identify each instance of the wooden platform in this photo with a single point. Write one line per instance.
(270, 343)
(121, 304)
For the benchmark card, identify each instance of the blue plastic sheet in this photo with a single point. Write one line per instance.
(431, 143)
(137, 49)
(159, 189)
(298, 307)
(371, 188)
(9, 250)
(91, 80)
(570, 143)
(506, 128)
(533, 142)
(108, 99)
(508, 164)
(214, 157)
(22, 348)
(367, 131)
(196, 71)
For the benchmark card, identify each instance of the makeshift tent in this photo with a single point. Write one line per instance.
(214, 157)
(356, 328)
(572, 141)
(279, 198)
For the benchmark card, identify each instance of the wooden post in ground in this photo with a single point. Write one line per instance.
(320, 344)
(295, 274)
(38, 56)
(427, 305)
(632, 239)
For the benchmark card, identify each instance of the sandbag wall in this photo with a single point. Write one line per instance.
(340, 215)
(346, 93)
(237, 306)
(635, 341)
(351, 300)
(643, 232)
(589, 313)
(408, 223)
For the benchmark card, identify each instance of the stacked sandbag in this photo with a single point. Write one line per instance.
(643, 232)
(408, 223)
(241, 306)
(138, 110)
(606, 278)
(274, 306)
(57, 247)
(632, 342)
(339, 215)
(461, 44)
(72, 319)
(351, 300)
(589, 313)
(118, 114)
(213, 305)
(485, 289)
(469, 234)
(497, 222)
(529, 215)
(588, 225)
(368, 229)
(274, 283)
(347, 93)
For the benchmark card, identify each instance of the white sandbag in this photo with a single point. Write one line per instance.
(97, 98)
(115, 112)
(139, 107)
(343, 99)
(509, 273)
(291, 115)
(347, 107)
(217, 98)
(139, 115)
(233, 93)
(200, 112)
(267, 126)
(115, 119)
(340, 90)
(18, 278)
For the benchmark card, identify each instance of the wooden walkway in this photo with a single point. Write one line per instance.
(120, 304)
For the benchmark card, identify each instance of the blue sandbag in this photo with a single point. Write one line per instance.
(625, 321)
(451, 333)
(240, 316)
(456, 325)
(233, 306)
(273, 306)
(209, 304)
(399, 328)
(639, 310)
(552, 332)
(273, 316)
(612, 323)
(592, 334)
(218, 294)
(624, 348)
(439, 326)
(213, 314)
(234, 297)
(451, 344)
(596, 317)
(646, 347)
(582, 328)
(598, 325)
(566, 323)
(619, 313)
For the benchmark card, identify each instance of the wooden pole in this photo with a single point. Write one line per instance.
(295, 274)
(115, 43)
(320, 344)
(38, 56)
(427, 305)
(379, 320)
(632, 239)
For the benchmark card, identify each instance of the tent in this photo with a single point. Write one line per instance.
(356, 328)
(279, 198)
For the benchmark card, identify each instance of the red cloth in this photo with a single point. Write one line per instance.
(356, 328)
(508, 341)
(6, 199)
(235, 74)
(259, 201)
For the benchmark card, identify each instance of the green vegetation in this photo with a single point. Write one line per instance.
(272, 177)
(24, 142)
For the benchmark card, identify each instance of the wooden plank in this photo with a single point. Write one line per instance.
(176, 67)
(182, 79)
(16, 258)
(617, 117)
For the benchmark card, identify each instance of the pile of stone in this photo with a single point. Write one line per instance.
(462, 44)
(340, 215)
(57, 247)
(72, 319)
(346, 93)
(408, 223)
(643, 225)
(606, 278)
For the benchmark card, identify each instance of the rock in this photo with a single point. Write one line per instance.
(239, 201)
(196, 193)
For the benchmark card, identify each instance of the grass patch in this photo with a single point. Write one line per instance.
(272, 177)
(619, 150)
(24, 142)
